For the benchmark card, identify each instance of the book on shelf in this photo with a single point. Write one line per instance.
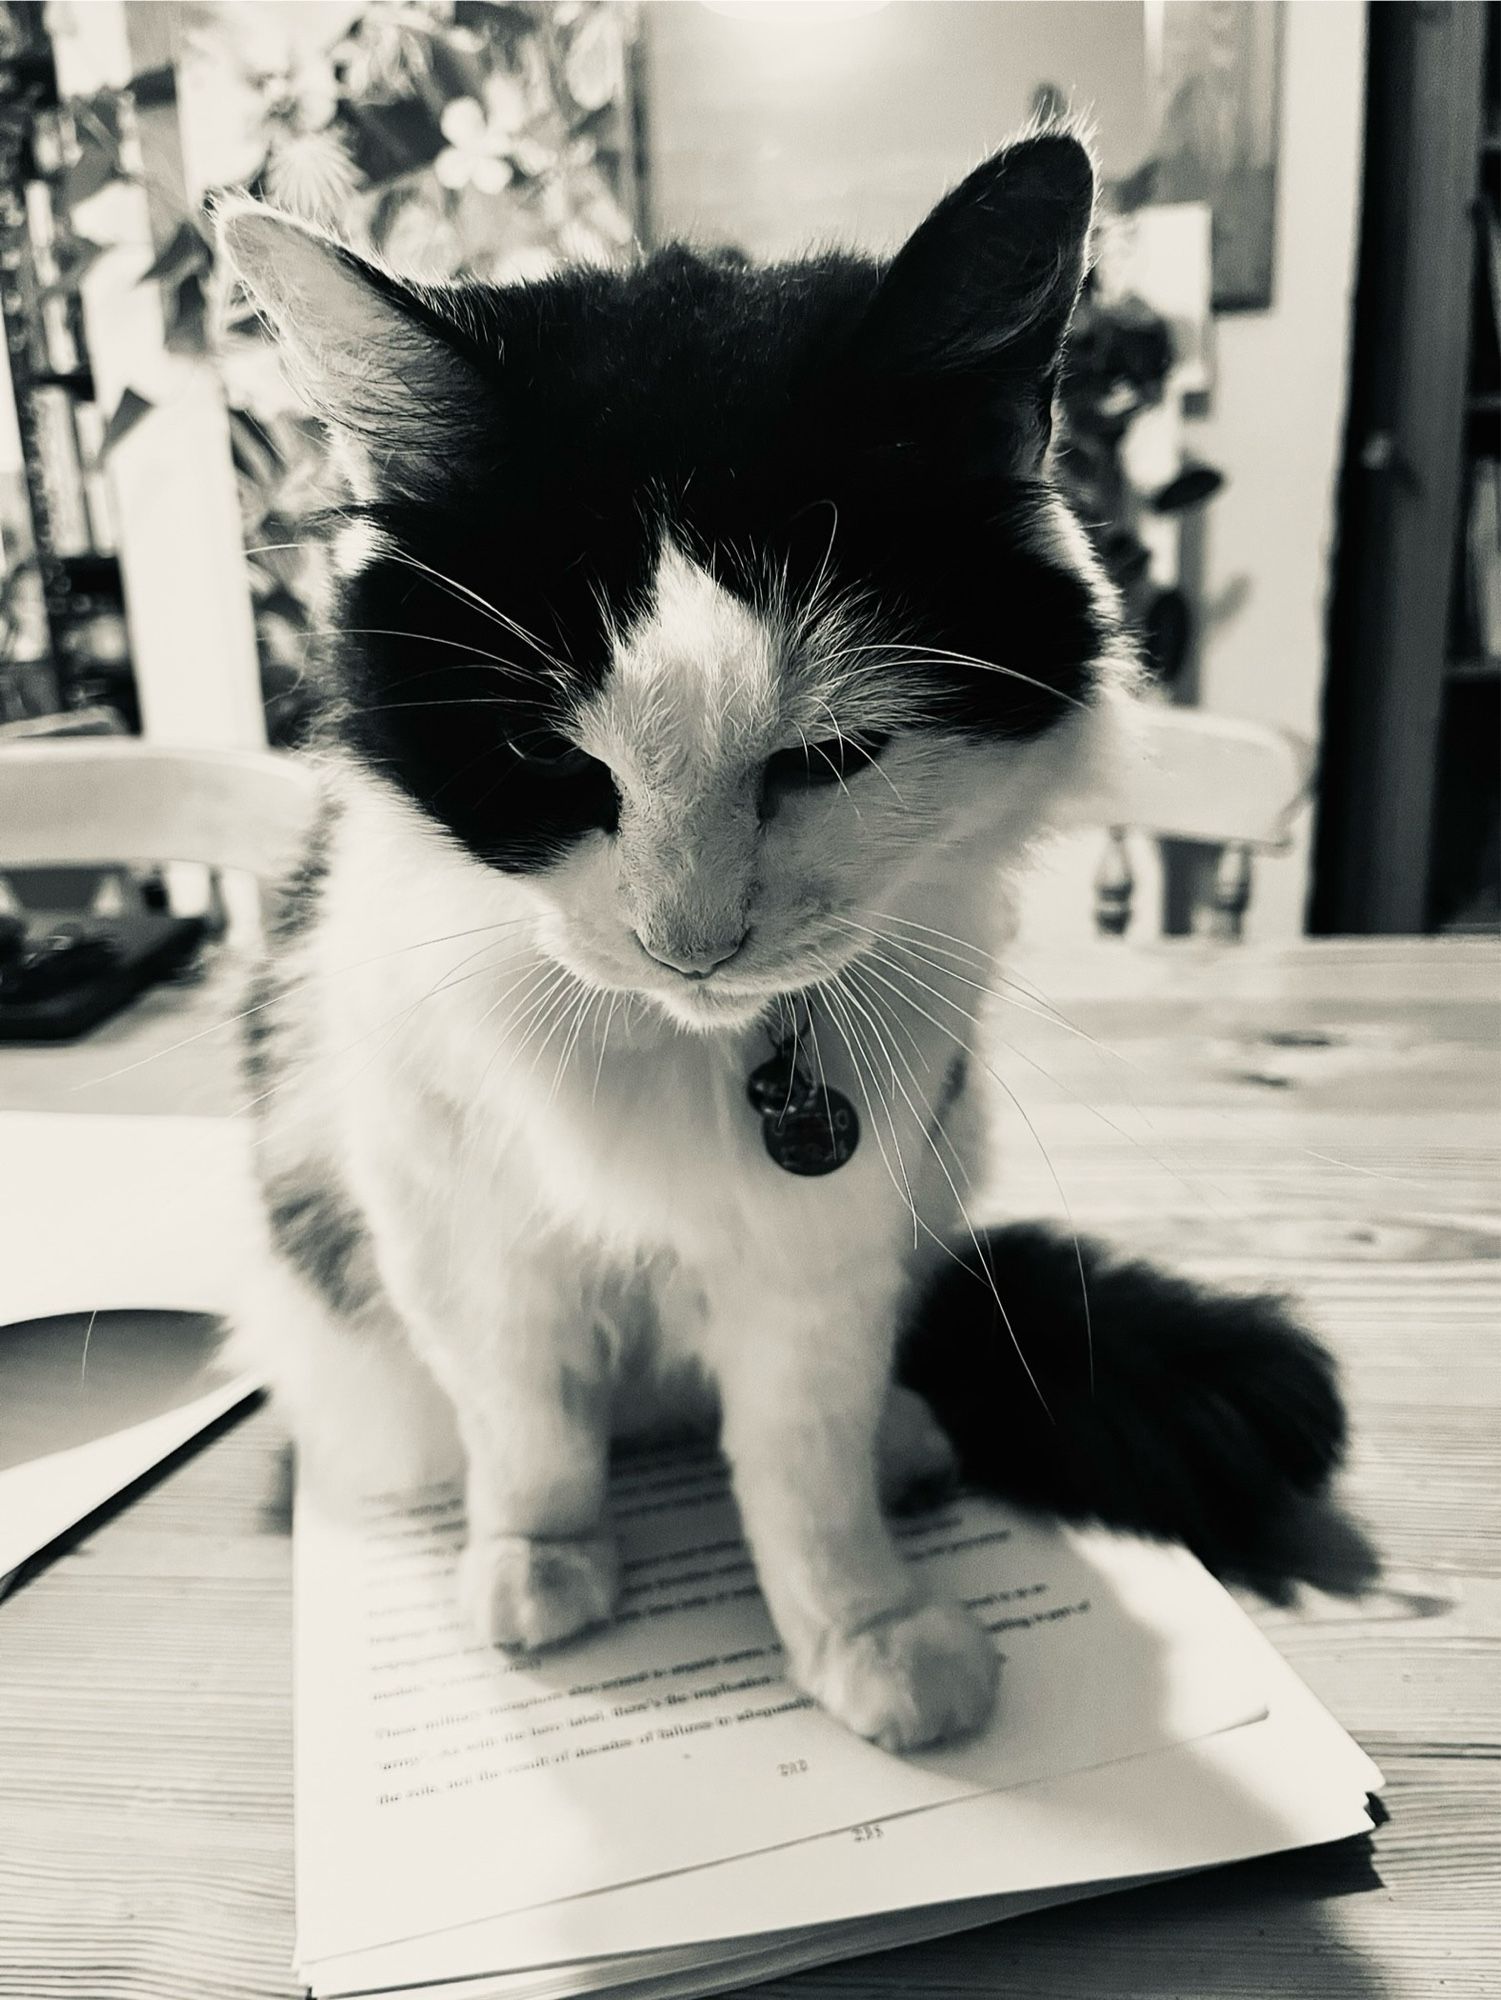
(654, 1809)
(1483, 552)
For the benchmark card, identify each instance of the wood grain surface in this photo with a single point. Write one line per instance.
(1324, 1119)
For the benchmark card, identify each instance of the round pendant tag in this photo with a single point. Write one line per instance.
(780, 1085)
(815, 1137)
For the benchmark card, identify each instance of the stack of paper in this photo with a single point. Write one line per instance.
(115, 1229)
(655, 1810)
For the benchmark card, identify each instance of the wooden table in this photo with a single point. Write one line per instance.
(1326, 1119)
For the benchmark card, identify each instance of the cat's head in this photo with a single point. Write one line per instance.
(715, 602)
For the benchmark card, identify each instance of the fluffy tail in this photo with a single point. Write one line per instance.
(1192, 1415)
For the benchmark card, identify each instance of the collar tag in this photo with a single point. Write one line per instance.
(808, 1128)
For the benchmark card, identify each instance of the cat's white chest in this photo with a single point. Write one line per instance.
(661, 1148)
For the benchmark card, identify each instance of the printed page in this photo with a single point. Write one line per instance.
(440, 1782)
(1293, 1779)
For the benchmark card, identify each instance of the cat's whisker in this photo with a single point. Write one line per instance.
(558, 1010)
(976, 958)
(882, 1023)
(838, 994)
(509, 702)
(260, 1006)
(453, 978)
(983, 986)
(903, 653)
(985, 1273)
(480, 656)
(1047, 1157)
(604, 1043)
(930, 1125)
(988, 1277)
(808, 751)
(589, 1004)
(823, 1081)
(482, 604)
(401, 1018)
(871, 764)
(537, 984)
(892, 1022)
(1027, 987)
(832, 1000)
(974, 1020)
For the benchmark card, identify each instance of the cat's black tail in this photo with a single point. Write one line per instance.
(1206, 1417)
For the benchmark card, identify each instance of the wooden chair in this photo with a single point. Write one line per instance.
(1223, 790)
(104, 801)
(1227, 788)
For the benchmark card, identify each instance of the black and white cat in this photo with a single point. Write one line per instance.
(712, 645)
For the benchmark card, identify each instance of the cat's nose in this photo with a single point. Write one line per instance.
(693, 964)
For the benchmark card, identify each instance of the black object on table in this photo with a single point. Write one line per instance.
(62, 976)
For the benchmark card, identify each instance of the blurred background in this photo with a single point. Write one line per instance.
(1282, 421)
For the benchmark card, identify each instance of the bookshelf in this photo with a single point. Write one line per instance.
(1409, 835)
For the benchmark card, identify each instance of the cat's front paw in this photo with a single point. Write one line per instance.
(522, 1591)
(922, 1677)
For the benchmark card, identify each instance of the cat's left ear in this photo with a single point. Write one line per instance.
(986, 287)
(381, 360)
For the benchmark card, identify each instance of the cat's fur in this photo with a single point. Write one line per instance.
(709, 636)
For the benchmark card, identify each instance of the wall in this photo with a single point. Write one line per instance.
(777, 127)
(1277, 428)
(1278, 418)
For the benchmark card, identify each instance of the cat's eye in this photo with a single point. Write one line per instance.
(550, 754)
(832, 760)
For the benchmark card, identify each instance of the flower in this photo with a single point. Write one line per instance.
(595, 65)
(525, 265)
(310, 173)
(481, 136)
(420, 241)
(302, 91)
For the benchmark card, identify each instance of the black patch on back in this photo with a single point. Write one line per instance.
(295, 904)
(259, 1030)
(294, 909)
(321, 1233)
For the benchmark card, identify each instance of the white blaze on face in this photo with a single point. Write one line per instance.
(690, 712)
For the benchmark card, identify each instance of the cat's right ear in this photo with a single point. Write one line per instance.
(375, 357)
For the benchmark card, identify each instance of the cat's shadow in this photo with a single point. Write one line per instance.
(1209, 1935)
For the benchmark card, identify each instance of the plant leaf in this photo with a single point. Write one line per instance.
(128, 413)
(154, 88)
(186, 254)
(1189, 488)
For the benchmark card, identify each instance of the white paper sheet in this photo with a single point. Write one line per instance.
(691, 1974)
(43, 1498)
(1293, 1779)
(102, 1215)
(106, 1214)
(440, 1783)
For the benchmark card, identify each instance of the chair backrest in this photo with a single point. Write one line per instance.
(101, 801)
(1210, 783)
(1231, 787)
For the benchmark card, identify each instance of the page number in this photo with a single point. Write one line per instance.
(793, 1770)
(868, 1832)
